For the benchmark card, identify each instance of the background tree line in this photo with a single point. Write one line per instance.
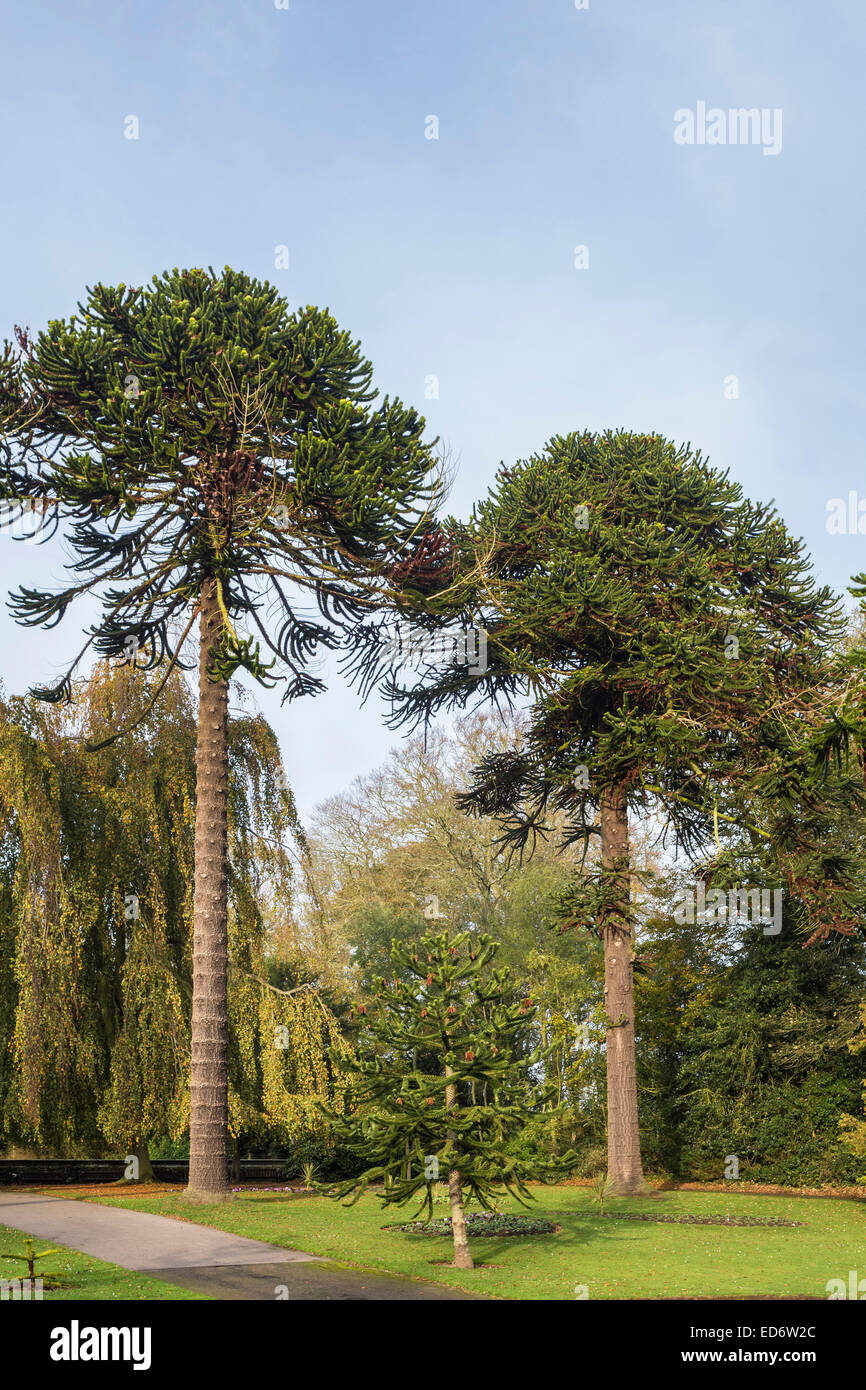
(747, 1044)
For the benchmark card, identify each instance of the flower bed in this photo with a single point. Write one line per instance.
(248, 1187)
(481, 1223)
(692, 1220)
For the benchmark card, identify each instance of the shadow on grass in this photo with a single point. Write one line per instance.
(502, 1250)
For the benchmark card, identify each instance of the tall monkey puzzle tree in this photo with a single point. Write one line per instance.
(676, 646)
(213, 455)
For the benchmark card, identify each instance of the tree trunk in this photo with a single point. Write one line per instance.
(462, 1257)
(623, 1139)
(208, 1128)
(142, 1153)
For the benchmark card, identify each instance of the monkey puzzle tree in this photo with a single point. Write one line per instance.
(218, 457)
(675, 643)
(441, 1080)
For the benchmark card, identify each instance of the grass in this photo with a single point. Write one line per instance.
(615, 1259)
(82, 1276)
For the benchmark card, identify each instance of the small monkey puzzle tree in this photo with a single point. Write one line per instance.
(442, 1080)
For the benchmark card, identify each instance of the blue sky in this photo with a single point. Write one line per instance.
(455, 257)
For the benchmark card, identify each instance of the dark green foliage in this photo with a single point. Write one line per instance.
(443, 1004)
(765, 1069)
(676, 645)
(742, 1048)
(331, 1162)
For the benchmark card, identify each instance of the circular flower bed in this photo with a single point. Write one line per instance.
(481, 1223)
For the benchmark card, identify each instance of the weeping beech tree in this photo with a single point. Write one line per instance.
(95, 973)
(211, 455)
(96, 925)
(676, 648)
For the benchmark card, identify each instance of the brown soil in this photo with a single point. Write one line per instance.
(103, 1189)
(132, 1189)
(760, 1189)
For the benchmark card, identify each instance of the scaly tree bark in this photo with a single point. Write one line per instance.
(462, 1256)
(623, 1136)
(209, 1075)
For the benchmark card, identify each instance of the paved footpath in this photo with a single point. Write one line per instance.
(199, 1257)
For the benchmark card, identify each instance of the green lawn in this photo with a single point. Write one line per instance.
(615, 1259)
(83, 1277)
